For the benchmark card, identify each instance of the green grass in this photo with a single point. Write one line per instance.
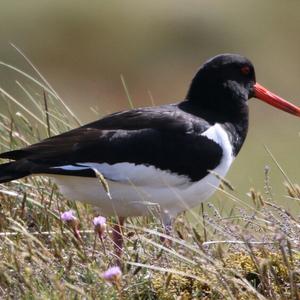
(249, 252)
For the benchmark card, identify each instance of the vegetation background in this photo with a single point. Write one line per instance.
(83, 48)
(158, 45)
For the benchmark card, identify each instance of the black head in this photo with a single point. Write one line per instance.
(224, 84)
(224, 80)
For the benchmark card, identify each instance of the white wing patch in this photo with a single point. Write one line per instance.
(71, 168)
(138, 175)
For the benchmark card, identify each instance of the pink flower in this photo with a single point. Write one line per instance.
(71, 220)
(113, 275)
(99, 221)
(68, 216)
(100, 226)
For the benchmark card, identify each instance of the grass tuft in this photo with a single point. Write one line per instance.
(250, 253)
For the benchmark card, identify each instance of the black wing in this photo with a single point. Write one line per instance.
(164, 137)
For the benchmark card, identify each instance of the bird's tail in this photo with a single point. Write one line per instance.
(11, 171)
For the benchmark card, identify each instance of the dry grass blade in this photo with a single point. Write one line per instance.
(11, 98)
(47, 83)
(280, 168)
(165, 270)
(252, 253)
(126, 91)
(103, 182)
(170, 251)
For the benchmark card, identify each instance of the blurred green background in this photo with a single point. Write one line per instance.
(82, 47)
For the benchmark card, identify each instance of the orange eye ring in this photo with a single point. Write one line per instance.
(245, 70)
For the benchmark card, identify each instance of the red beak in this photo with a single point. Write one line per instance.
(263, 94)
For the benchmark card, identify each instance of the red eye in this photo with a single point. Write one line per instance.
(245, 70)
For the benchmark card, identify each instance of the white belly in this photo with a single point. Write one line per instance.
(137, 190)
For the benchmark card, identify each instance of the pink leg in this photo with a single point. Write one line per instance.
(118, 237)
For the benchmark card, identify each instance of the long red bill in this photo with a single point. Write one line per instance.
(263, 94)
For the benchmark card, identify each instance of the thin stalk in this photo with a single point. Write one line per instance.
(47, 114)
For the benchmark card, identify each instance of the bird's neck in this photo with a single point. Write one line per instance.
(235, 120)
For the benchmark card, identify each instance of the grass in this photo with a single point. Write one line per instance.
(252, 252)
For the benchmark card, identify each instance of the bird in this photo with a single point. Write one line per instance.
(164, 157)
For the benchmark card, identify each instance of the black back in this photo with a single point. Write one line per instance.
(167, 137)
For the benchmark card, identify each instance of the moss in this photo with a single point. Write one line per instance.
(255, 269)
(174, 286)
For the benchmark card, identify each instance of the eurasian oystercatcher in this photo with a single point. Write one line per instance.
(156, 155)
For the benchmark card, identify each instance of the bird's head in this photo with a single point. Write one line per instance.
(227, 81)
